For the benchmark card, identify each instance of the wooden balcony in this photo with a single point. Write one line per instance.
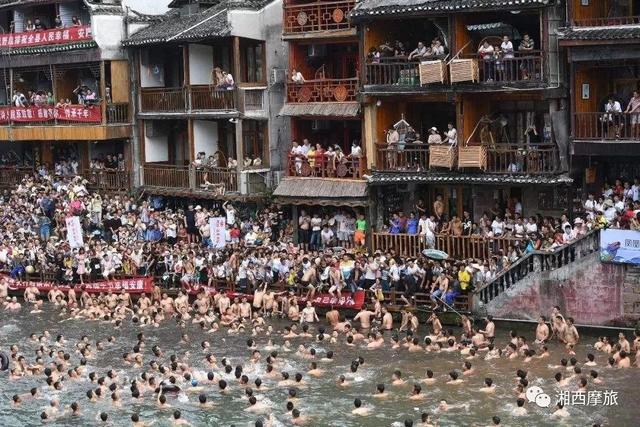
(317, 18)
(107, 180)
(526, 69)
(118, 113)
(533, 159)
(12, 176)
(458, 247)
(187, 99)
(606, 127)
(326, 167)
(190, 180)
(607, 22)
(323, 90)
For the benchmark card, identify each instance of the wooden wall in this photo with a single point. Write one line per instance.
(597, 87)
(595, 9)
(470, 111)
(376, 34)
(387, 114)
(462, 36)
(120, 81)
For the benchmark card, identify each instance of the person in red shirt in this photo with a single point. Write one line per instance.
(618, 189)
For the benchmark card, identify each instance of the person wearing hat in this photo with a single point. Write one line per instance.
(434, 136)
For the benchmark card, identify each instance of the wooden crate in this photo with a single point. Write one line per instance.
(472, 157)
(432, 72)
(464, 70)
(443, 156)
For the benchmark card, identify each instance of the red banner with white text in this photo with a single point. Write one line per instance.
(135, 285)
(71, 113)
(45, 37)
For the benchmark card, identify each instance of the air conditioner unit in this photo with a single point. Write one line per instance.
(317, 51)
(273, 179)
(278, 76)
(317, 125)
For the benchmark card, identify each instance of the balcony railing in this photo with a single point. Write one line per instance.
(405, 157)
(166, 99)
(190, 178)
(606, 126)
(254, 98)
(12, 176)
(324, 166)
(606, 22)
(457, 247)
(524, 67)
(208, 98)
(46, 37)
(323, 90)
(118, 113)
(392, 72)
(317, 16)
(532, 159)
(185, 99)
(540, 159)
(107, 180)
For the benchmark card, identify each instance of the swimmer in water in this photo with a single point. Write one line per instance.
(359, 409)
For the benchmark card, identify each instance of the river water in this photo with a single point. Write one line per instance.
(321, 399)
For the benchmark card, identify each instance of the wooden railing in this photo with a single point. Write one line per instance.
(523, 67)
(323, 90)
(253, 98)
(317, 16)
(165, 99)
(210, 98)
(402, 157)
(12, 176)
(326, 167)
(190, 178)
(541, 159)
(118, 113)
(392, 73)
(108, 180)
(539, 261)
(458, 247)
(606, 22)
(606, 126)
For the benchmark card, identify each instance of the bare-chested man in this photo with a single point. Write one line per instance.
(542, 331)
(489, 330)
(364, 316)
(436, 326)
(387, 319)
(309, 314)
(333, 317)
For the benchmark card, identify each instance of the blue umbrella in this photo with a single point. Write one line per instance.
(435, 254)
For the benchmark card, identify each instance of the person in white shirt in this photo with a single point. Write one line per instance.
(531, 226)
(486, 53)
(635, 190)
(436, 48)
(316, 228)
(452, 135)
(228, 80)
(506, 47)
(611, 121)
(497, 226)
(419, 52)
(326, 236)
(296, 77)
(618, 204)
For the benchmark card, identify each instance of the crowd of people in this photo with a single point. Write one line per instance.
(615, 206)
(37, 24)
(497, 64)
(398, 50)
(323, 161)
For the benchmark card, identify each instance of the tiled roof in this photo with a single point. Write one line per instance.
(459, 178)
(617, 32)
(54, 48)
(212, 22)
(323, 188)
(321, 109)
(412, 7)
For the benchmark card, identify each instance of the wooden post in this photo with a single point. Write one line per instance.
(236, 60)
(186, 78)
(103, 91)
(191, 142)
(239, 144)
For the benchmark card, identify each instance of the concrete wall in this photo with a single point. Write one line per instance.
(156, 148)
(591, 292)
(200, 64)
(205, 136)
(108, 32)
(150, 7)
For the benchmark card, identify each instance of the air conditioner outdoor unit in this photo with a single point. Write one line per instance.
(317, 125)
(317, 50)
(278, 76)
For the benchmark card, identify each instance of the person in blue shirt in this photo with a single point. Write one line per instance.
(412, 224)
(395, 224)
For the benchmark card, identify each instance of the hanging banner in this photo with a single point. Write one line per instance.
(620, 246)
(136, 285)
(217, 227)
(46, 37)
(74, 232)
(71, 113)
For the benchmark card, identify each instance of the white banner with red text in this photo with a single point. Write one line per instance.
(135, 285)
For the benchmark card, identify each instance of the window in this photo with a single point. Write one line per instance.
(253, 63)
(253, 139)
